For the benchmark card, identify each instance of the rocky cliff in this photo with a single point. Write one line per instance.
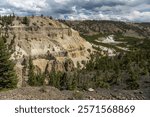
(51, 44)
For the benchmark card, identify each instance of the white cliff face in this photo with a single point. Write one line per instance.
(19, 53)
(109, 39)
(46, 38)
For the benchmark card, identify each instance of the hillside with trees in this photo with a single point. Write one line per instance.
(76, 65)
(93, 27)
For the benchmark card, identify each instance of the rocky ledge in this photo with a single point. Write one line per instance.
(51, 93)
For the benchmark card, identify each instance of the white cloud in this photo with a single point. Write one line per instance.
(5, 11)
(36, 5)
(132, 10)
(139, 16)
(61, 1)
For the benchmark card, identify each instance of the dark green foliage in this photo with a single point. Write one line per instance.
(133, 78)
(91, 38)
(26, 21)
(35, 79)
(124, 70)
(55, 79)
(78, 65)
(74, 83)
(63, 81)
(39, 79)
(108, 27)
(31, 79)
(8, 77)
(7, 20)
(121, 69)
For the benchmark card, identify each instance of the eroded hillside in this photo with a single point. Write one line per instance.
(111, 37)
(51, 44)
(92, 27)
(114, 59)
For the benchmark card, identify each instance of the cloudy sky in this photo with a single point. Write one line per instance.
(128, 10)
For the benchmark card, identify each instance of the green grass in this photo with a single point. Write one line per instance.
(134, 43)
(91, 38)
(124, 45)
(5, 90)
(128, 42)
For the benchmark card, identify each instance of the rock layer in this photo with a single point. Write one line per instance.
(51, 44)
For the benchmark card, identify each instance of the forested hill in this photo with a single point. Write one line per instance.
(91, 27)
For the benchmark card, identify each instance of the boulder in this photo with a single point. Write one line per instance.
(91, 90)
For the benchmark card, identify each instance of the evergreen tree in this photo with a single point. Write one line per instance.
(52, 77)
(26, 21)
(8, 77)
(39, 79)
(32, 78)
(63, 81)
(68, 81)
(35, 79)
(74, 83)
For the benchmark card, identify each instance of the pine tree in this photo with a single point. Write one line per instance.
(32, 78)
(26, 21)
(68, 81)
(52, 77)
(74, 83)
(8, 77)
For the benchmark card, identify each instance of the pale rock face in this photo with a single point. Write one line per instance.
(49, 43)
(109, 39)
(91, 90)
(57, 66)
(41, 64)
(18, 68)
(18, 54)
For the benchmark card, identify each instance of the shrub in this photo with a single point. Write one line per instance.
(26, 21)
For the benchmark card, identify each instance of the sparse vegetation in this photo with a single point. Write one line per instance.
(105, 27)
(6, 20)
(78, 95)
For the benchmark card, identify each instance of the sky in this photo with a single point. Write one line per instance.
(124, 10)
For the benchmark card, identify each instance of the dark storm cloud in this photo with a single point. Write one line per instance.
(89, 5)
(63, 11)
